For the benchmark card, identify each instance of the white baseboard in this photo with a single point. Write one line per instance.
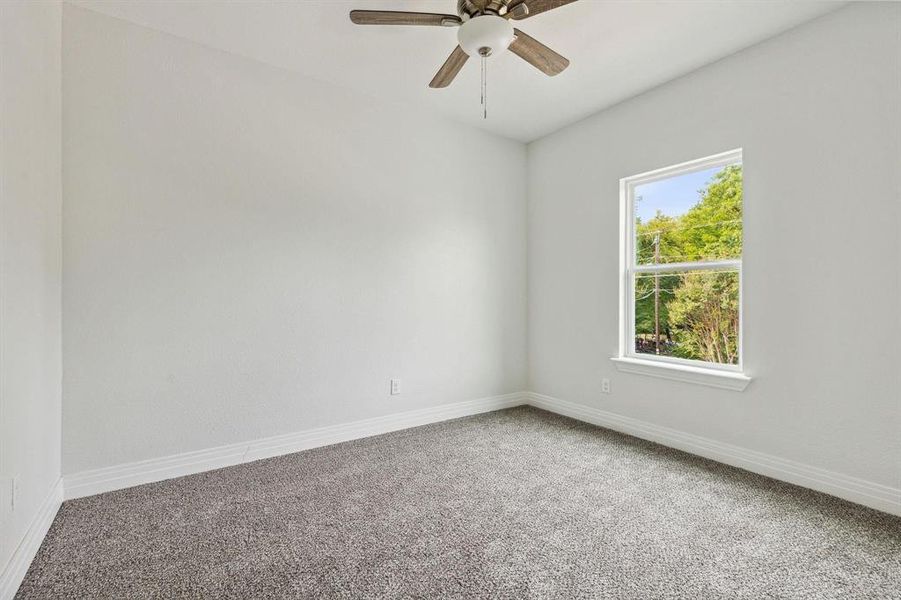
(12, 576)
(118, 477)
(874, 495)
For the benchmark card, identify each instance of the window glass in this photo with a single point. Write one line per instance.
(690, 217)
(692, 315)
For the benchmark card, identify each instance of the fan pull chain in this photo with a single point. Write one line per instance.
(484, 86)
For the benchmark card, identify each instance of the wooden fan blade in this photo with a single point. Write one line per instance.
(537, 54)
(394, 17)
(449, 69)
(535, 7)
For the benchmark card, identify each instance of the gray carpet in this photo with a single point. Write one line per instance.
(512, 504)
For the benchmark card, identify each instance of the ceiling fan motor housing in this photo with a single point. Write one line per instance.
(485, 35)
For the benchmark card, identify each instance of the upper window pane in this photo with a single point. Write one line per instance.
(689, 217)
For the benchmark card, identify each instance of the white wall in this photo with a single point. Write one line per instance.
(250, 253)
(29, 264)
(817, 113)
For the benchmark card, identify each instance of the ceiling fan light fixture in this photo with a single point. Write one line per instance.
(485, 35)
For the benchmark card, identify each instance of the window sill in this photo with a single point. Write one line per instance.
(727, 380)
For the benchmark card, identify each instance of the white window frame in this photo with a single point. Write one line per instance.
(695, 371)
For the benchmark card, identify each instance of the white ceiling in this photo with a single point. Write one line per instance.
(618, 49)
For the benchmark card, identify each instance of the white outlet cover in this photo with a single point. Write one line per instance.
(6, 497)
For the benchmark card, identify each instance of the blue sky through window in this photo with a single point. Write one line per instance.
(672, 196)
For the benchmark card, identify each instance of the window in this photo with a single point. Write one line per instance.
(681, 272)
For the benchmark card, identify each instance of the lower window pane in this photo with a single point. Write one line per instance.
(692, 315)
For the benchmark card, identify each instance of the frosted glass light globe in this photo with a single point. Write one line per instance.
(485, 31)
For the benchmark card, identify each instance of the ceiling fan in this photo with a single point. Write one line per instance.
(484, 30)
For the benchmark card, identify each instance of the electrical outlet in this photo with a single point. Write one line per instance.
(9, 495)
(6, 498)
(15, 493)
(395, 387)
(605, 386)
